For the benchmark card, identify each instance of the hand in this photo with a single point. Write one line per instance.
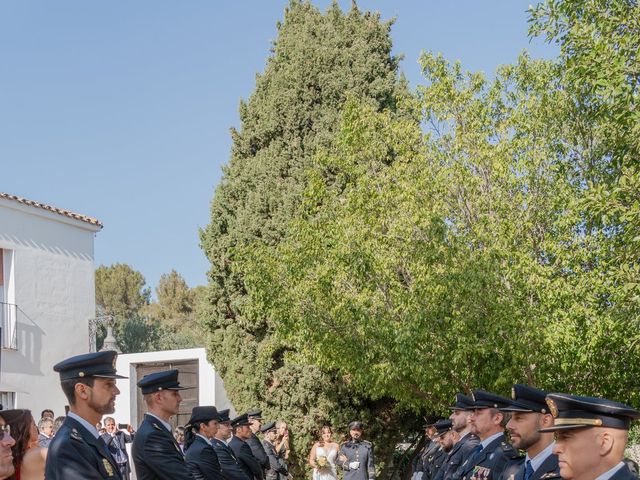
(130, 429)
(342, 458)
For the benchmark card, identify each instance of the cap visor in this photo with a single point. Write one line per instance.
(555, 428)
(115, 375)
(516, 409)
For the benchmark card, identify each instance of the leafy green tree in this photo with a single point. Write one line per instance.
(599, 42)
(120, 290)
(316, 61)
(141, 324)
(425, 247)
(136, 333)
(479, 253)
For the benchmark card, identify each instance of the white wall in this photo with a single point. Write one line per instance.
(211, 388)
(53, 274)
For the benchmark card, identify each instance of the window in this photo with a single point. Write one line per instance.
(8, 400)
(8, 307)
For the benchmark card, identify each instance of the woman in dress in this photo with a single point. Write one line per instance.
(28, 457)
(323, 456)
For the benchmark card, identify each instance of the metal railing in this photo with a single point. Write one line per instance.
(9, 325)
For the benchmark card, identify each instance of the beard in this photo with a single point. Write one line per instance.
(105, 408)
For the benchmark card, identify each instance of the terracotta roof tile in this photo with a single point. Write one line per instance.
(60, 211)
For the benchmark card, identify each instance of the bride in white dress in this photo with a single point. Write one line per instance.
(323, 456)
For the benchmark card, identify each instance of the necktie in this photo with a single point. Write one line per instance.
(474, 454)
(528, 471)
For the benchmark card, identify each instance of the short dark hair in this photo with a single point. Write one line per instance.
(46, 410)
(68, 387)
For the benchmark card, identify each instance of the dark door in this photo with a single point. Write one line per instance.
(188, 377)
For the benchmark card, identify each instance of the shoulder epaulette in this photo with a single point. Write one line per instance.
(550, 475)
(508, 449)
(73, 433)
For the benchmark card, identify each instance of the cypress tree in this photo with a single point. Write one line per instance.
(316, 62)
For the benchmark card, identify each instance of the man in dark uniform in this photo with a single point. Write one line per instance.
(356, 455)
(242, 451)
(421, 464)
(493, 452)
(156, 454)
(529, 413)
(231, 469)
(255, 423)
(277, 469)
(465, 441)
(202, 460)
(444, 438)
(77, 452)
(591, 435)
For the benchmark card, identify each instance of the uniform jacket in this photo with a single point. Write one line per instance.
(258, 451)
(123, 438)
(425, 457)
(202, 461)
(514, 470)
(277, 469)
(231, 469)
(75, 454)
(361, 451)
(456, 457)
(248, 462)
(156, 454)
(436, 461)
(624, 474)
(490, 462)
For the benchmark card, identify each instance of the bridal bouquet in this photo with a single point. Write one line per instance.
(322, 462)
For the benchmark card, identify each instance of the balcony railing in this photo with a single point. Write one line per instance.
(9, 325)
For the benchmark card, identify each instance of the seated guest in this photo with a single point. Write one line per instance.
(28, 457)
(45, 427)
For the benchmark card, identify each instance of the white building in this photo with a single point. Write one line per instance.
(196, 372)
(47, 296)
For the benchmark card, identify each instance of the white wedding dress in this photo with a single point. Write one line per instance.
(328, 473)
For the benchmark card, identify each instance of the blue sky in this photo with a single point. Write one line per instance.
(121, 110)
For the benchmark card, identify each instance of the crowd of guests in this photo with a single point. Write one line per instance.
(23, 448)
(28, 442)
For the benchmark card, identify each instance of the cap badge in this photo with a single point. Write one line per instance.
(513, 393)
(113, 363)
(552, 407)
(81, 374)
(473, 397)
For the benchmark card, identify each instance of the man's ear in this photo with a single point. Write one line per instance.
(606, 442)
(81, 390)
(546, 420)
